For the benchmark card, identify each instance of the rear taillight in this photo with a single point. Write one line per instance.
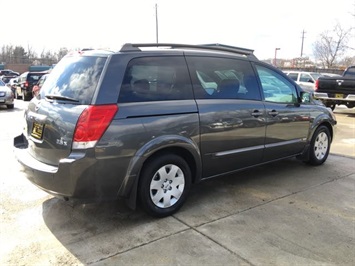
(26, 84)
(316, 85)
(92, 124)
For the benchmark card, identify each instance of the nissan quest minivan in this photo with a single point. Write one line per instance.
(145, 123)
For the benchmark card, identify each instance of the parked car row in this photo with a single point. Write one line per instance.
(24, 86)
(26, 82)
(307, 80)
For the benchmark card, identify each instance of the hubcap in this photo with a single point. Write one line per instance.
(167, 186)
(321, 146)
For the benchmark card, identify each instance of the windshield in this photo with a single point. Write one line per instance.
(74, 77)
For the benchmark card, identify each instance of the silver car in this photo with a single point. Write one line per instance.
(6, 96)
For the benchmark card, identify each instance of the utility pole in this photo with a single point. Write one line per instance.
(156, 21)
(303, 32)
(275, 62)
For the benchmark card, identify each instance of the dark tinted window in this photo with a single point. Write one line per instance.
(75, 77)
(350, 71)
(293, 76)
(6, 79)
(223, 78)
(34, 78)
(156, 79)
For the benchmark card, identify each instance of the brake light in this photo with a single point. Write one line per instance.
(26, 84)
(316, 85)
(92, 124)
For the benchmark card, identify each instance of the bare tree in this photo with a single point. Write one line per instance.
(61, 53)
(331, 45)
(19, 55)
(6, 53)
(30, 53)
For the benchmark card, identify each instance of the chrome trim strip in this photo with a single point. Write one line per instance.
(223, 153)
(272, 145)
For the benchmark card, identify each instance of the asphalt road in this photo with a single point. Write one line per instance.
(285, 213)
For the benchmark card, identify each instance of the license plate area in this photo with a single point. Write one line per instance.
(339, 95)
(37, 130)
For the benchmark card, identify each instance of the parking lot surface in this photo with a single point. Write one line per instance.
(284, 213)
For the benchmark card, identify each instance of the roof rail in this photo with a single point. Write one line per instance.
(131, 47)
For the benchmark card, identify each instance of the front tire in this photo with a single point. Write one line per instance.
(320, 146)
(164, 184)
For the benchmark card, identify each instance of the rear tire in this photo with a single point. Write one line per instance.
(164, 184)
(10, 106)
(320, 146)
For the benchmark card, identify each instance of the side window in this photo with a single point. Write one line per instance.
(306, 78)
(293, 76)
(156, 79)
(276, 88)
(222, 78)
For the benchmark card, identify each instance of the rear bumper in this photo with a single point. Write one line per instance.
(5, 101)
(325, 96)
(79, 177)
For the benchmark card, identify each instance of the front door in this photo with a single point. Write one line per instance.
(287, 121)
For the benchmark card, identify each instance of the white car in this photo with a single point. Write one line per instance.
(6, 96)
(306, 80)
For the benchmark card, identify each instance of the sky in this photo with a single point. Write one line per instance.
(261, 25)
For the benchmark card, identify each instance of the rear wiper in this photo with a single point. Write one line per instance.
(60, 97)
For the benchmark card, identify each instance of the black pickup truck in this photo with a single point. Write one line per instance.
(334, 91)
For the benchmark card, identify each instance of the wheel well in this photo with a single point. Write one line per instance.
(330, 128)
(183, 153)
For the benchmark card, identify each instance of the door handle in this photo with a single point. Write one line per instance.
(256, 113)
(273, 113)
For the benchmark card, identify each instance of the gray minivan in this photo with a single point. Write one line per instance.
(145, 124)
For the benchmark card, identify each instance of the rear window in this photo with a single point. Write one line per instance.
(350, 72)
(75, 78)
(34, 78)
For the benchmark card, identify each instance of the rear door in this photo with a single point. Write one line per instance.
(51, 117)
(232, 115)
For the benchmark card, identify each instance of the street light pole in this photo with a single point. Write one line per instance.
(276, 49)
